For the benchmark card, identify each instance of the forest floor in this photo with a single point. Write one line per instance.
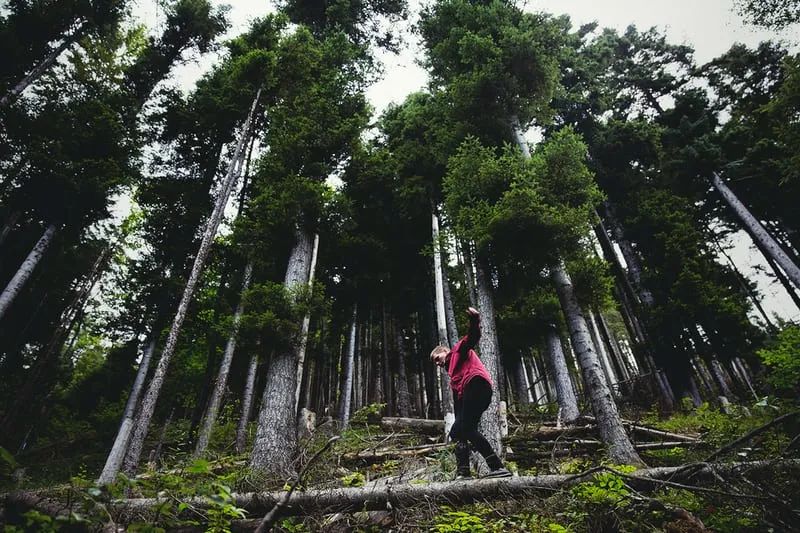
(707, 471)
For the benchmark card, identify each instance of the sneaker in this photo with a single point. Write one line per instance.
(500, 472)
(463, 477)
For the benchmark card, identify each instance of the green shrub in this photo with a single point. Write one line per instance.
(782, 357)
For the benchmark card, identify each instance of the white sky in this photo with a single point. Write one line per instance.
(709, 26)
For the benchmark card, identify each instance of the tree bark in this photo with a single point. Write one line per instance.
(42, 67)
(347, 368)
(378, 496)
(26, 269)
(247, 402)
(149, 401)
(301, 349)
(489, 354)
(565, 395)
(620, 448)
(403, 396)
(276, 436)
(224, 367)
(521, 382)
(602, 354)
(9, 225)
(120, 446)
(757, 231)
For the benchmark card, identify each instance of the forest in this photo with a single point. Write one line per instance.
(218, 303)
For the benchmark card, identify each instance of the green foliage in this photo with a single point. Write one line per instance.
(782, 357)
(681, 498)
(222, 509)
(293, 525)
(356, 479)
(369, 414)
(606, 488)
(452, 521)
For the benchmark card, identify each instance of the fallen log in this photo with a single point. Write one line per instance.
(547, 449)
(377, 456)
(645, 430)
(418, 425)
(375, 498)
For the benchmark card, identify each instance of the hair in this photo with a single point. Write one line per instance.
(438, 349)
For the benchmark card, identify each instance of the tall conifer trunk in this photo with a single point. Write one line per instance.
(26, 269)
(489, 354)
(224, 368)
(441, 318)
(347, 369)
(120, 446)
(276, 436)
(149, 401)
(757, 231)
(565, 395)
(609, 423)
(620, 447)
(247, 402)
(42, 67)
(301, 350)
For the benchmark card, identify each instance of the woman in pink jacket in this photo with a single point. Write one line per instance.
(472, 393)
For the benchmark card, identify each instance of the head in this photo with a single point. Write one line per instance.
(439, 355)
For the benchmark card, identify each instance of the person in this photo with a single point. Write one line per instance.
(472, 393)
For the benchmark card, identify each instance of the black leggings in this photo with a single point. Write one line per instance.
(474, 400)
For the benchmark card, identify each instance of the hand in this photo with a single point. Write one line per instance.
(473, 313)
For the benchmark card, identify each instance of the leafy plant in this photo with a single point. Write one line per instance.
(356, 479)
(458, 521)
(606, 488)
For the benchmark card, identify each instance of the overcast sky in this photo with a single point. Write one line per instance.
(709, 26)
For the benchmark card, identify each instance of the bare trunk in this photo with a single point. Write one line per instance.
(757, 231)
(602, 354)
(9, 225)
(149, 401)
(42, 67)
(719, 377)
(489, 353)
(468, 274)
(743, 283)
(26, 269)
(565, 395)
(403, 396)
(301, 349)
(520, 382)
(224, 368)
(452, 328)
(156, 453)
(120, 446)
(620, 448)
(247, 402)
(441, 317)
(347, 368)
(276, 436)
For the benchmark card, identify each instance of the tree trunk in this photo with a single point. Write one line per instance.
(276, 436)
(9, 225)
(743, 283)
(403, 396)
(602, 354)
(468, 274)
(42, 67)
(620, 448)
(42, 376)
(441, 316)
(26, 269)
(224, 368)
(149, 401)
(120, 446)
(757, 231)
(489, 354)
(565, 395)
(301, 349)
(631, 257)
(247, 402)
(452, 328)
(520, 382)
(347, 369)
